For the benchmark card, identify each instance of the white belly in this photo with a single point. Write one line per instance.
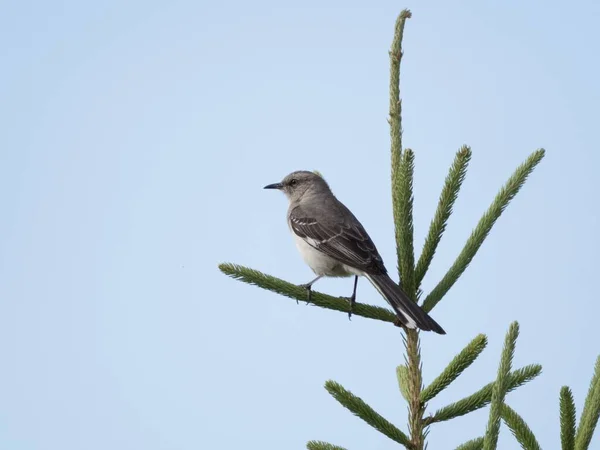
(320, 263)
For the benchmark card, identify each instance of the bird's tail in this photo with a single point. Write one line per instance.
(410, 314)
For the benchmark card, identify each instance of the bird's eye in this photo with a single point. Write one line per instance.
(293, 182)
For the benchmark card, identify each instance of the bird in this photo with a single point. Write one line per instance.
(333, 243)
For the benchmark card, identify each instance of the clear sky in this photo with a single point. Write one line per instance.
(136, 139)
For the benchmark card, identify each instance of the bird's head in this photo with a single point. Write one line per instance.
(298, 183)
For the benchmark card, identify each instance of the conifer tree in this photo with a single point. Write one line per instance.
(411, 273)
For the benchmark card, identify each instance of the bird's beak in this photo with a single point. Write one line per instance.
(274, 186)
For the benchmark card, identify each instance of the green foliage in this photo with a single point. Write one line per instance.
(416, 408)
(483, 228)
(293, 291)
(402, 376)
(473, 444)
(404, 224)
(590, 413)
(359, 408)
(567, 419)
(449, 194)
(320, 445)
(395, 119)
(457, 366)
(500, 388)
(483, 396)
(519, 429)
(398, 183)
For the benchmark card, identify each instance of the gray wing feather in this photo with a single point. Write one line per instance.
(343, 239)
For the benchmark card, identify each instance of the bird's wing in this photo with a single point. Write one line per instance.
(344, 240)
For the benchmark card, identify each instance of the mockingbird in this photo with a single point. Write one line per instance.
(334, 244)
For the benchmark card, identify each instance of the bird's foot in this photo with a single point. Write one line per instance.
(308, 288)
(352, 302)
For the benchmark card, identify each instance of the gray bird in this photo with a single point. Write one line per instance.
(334, 244)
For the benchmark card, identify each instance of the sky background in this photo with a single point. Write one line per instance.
(136, 139)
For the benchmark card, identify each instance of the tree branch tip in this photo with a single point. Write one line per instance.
(405, 14)
(464, 151)
(538, 155)
(321, 445)
(226, 268)
(233, 270)
(331, 384)
(482, 337)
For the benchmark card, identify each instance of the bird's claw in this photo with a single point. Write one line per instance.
(308, 288)
(352, 302)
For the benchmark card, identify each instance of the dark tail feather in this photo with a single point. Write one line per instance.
(410, 314)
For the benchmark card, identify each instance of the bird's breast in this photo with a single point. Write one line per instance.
(319, 262)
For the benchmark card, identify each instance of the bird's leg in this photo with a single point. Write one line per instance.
(352, 299)
(308, 287)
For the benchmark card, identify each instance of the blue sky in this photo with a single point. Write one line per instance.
(136, 140)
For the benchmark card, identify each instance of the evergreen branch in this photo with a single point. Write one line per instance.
(395, 121)
(567, 419)
(293, 291)
(320, 445)
(452, 185)
(473, 444)
(359, 408)
(402, 376)
(404, 223)
(416, 408)
(519, 429)
(483, 228)
(591, 412)
(483, 396)
(490, 441)
(457, 366)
